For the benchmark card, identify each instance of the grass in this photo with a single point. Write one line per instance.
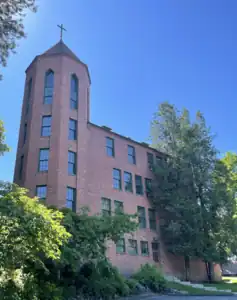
(225, 284)
(194, 291)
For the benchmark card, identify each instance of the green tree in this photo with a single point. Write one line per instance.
(12, 13)
(3, 146)
(189, 190)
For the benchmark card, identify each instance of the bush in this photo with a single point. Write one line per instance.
(133, 286)
(150, 276)
(101, 280)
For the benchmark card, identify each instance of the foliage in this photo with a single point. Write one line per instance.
(12, 13)
(191, 188)
(133, 285)
(152, 277)
(3, 146)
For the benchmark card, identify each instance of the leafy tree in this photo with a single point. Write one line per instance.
(12, 13)
(3, 146)
(189, 190)
(29, 232)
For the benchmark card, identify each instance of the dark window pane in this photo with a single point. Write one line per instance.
(141, 217)
(43, 160)
(148, 184)
(109, 146)
(139, 186)
(74, 92)
(128, 182)
(46, 126)
(132, 247)
(49, 87)
(106, 206)
(71, 198)
(117, 179)
(152, 218)
(144, 248)
(120, 246)
(118, 207)
(28, 96)
(25, 133)
(41, 191)
(155, 251)
(71, 163)
(21, 167)
(131, 155)
(72, 133)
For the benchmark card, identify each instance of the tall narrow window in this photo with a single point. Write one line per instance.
(148, 185)
(71, 198)
(150, 160)
(131, 155)
(128, 182)
(28, 95)
(21, 167)
(139, 186)
(41, 191)
(152, 218)
(48, 87)
(144, 248)
(117, 179)
(25, 133)
(74, 92)
(141, 217)
(43, 160)
(46, 126)
(72, 130)
(72, 163)
(132, 247)
(155, 251)
(110, 146)
(118, 207)
(120, 246)
(106, 207)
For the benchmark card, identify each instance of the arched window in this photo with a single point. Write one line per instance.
(74, 92)
(48, 87)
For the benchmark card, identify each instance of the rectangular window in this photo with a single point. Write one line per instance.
(131, 155)
(25, 133)
(72, 133)
(43, 160)
(148, 185)
(21, 167)
(158, 160)
(72, 161)
(28, 96)
(71, 198)
(106, 206)
(132, 247)
(117, 179)
(120, 246)
(74, 92)
(128, 182)
(46, 126)
(41, 191)
(141, 217)
(118, 207)
(150, 160)
(152, 218)
(139, 186)
(155, 251)
(110, 146)
(144, 248)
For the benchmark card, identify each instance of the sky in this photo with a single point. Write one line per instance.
(139, 53)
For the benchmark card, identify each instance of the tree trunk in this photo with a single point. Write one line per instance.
(187, 268)
(209, 267)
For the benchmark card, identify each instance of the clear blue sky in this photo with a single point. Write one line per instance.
(139, 53)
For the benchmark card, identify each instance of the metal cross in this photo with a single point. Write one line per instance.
(61, 31)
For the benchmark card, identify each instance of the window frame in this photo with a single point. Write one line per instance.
(21, 167)
(142, 217)
(74, 102)
(48, 127)
(48, 73)
(148, 187)
(139, 191)
(72, 201)
(105, 212)
(118, 210)
(119, 180)
(72, 163)
(150, 160)
(70, 130)
(43, 160)
(142, 243)
(132, 244)
(108, 147)
(123, 246)
(132, 157)
(46, 190)
(126, 183)
(155, 252)
(151, 213)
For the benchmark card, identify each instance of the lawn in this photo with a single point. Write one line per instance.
(228, 283)
(194, 291)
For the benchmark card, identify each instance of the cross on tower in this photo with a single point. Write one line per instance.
(61, 31)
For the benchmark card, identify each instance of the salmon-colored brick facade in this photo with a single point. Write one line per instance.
(94, 168)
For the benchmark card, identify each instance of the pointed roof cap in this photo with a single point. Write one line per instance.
(61, 49)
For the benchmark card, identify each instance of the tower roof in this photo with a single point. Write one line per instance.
(61, 49)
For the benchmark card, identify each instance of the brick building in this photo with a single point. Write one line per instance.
(66, 160)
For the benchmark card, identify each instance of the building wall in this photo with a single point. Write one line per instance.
(94, 178)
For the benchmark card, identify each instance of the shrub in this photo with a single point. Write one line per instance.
(133, 286)
(152, 277)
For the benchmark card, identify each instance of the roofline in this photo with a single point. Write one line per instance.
(61, 54)
(127, 138)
